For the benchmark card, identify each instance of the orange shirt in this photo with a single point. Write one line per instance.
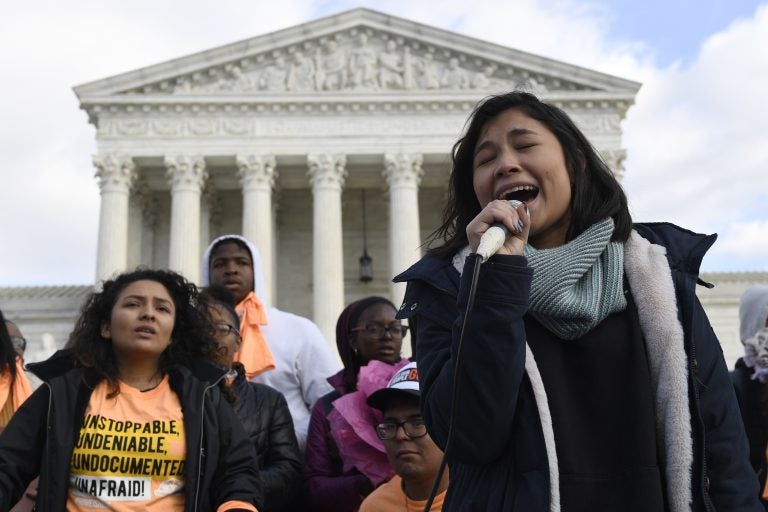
(389, 497)
(130, 453)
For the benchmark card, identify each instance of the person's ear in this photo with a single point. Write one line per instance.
(105, 330)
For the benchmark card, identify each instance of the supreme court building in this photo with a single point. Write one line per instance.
(319, 143)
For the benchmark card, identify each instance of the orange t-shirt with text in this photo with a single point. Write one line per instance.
(130, 453)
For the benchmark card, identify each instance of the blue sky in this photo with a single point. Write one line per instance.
(696, 137)
(674, 29)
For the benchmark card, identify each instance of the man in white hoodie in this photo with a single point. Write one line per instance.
(299, 356)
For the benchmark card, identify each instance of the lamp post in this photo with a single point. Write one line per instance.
(366, 263)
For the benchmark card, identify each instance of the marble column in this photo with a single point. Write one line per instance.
(327, 174)
(186, 175)
(403, 174)
(139, 208)
(116, 175)
(257, 178)
(210, 214)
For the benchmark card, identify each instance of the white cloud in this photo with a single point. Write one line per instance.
(748, 237)
(697, 144)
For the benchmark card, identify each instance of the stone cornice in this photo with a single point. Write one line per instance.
(410, 103)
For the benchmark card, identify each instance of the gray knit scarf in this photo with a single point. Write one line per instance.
(577, 285)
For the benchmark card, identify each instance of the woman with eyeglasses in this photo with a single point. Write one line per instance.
(14, 385)
(344, 459)
(262, 410)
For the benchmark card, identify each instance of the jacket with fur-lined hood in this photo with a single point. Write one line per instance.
(505, 458)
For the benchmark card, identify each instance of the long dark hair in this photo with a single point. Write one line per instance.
(7, 352)
(596, 193)
(190, 338)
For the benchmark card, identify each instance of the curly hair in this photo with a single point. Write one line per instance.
(596, 192)
(190, 338)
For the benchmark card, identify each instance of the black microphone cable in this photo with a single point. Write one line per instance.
(452, 417)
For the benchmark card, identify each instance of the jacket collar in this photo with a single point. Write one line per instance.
(63, 361)
(436, 270)
(685, 249)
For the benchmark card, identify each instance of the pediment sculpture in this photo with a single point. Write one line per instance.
(358, 61)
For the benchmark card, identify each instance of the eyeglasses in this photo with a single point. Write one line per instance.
(378, 330)
(414, 429)
(19, 343)
(225, 329)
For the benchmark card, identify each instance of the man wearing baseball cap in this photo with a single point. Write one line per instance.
(411, 452)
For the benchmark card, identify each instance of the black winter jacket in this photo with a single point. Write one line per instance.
(499, 456)
(753, 402)
(220, 464)
(266, 418)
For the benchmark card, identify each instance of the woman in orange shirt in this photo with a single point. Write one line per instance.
(130, 416)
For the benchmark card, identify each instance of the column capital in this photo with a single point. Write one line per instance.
(116, 173)
(256, 171)
(327, 170)
(403, 169)
(185, 172)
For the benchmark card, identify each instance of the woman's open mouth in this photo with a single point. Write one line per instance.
(522, 193)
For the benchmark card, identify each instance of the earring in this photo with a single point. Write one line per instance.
(354, 350)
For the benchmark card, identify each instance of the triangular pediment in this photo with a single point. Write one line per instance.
(358, 52)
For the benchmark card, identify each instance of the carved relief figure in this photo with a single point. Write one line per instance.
(428, 78)
(274, 77)
(390, 67)
(362, 65)
(183, 84)
(334, 70)
(240, 81)
(302, 74)
(482, 79)
(535, 86)
(454, 77)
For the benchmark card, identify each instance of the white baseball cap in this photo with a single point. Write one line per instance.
(405, 381)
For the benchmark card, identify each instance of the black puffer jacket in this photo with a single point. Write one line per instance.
(220, 465)
(266, 418)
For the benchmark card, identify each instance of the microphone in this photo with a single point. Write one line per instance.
(494, 237)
